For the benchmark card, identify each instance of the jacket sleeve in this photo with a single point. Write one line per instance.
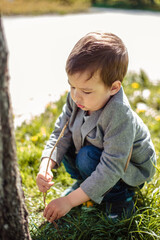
(65, 141)
(117, 142)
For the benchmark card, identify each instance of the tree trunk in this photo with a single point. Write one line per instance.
(13, 214)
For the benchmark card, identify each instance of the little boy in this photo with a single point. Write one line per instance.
(106, 146)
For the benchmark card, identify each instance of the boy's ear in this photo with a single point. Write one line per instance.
(115, 87)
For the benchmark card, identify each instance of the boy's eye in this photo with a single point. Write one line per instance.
(82, 91)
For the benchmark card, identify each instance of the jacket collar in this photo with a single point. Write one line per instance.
(90, 123)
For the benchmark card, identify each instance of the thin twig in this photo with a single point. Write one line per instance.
(45, 194)
(128, 160)
(60, 136)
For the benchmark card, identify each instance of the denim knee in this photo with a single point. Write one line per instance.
(87, 160)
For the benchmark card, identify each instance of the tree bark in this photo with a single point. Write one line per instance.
(13, 213)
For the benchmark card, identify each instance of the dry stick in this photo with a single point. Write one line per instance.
(60, 136)
(128, 160)
(45, 194)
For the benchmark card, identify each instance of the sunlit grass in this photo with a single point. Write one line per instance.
(38, 7)
(89, 222)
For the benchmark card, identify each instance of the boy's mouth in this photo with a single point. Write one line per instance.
(80, 106)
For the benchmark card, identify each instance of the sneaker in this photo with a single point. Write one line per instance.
(120, 210)
(72, 188)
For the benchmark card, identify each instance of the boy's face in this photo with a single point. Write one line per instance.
(89, 93)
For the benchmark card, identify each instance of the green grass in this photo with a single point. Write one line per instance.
(89, 223)
(128, 4)
(39, 7)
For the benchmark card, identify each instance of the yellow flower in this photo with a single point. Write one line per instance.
(135, 85)
(43, 131)
(88, 204)
(157, 118)
(141, 107)
(140, 110)
(34, 138)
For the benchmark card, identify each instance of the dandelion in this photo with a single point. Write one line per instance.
(34, 138)
(140, 110)
(22, 140)
(157, 118)
(43, 131)
(141, 107)
(135, 85)
(88, 204)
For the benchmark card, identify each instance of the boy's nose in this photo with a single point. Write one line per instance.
(77, 96)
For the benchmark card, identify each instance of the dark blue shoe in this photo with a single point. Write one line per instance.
(120, 210)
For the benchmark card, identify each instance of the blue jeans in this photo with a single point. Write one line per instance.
(81, 166)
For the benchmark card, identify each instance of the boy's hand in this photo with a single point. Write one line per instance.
(61, 206)
(44, 182)
(57, 208)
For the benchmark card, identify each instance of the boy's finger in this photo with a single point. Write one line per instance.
(46, 184)
(46, 211)
(43, 182)
(51, 184)
(45, 178)
(44, 188)
(53, 217)
(49, 177)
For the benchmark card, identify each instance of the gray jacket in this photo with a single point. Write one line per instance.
(115, 129)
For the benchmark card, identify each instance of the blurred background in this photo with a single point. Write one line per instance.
(40, 35)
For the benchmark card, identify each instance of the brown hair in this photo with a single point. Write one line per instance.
(99, 51)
